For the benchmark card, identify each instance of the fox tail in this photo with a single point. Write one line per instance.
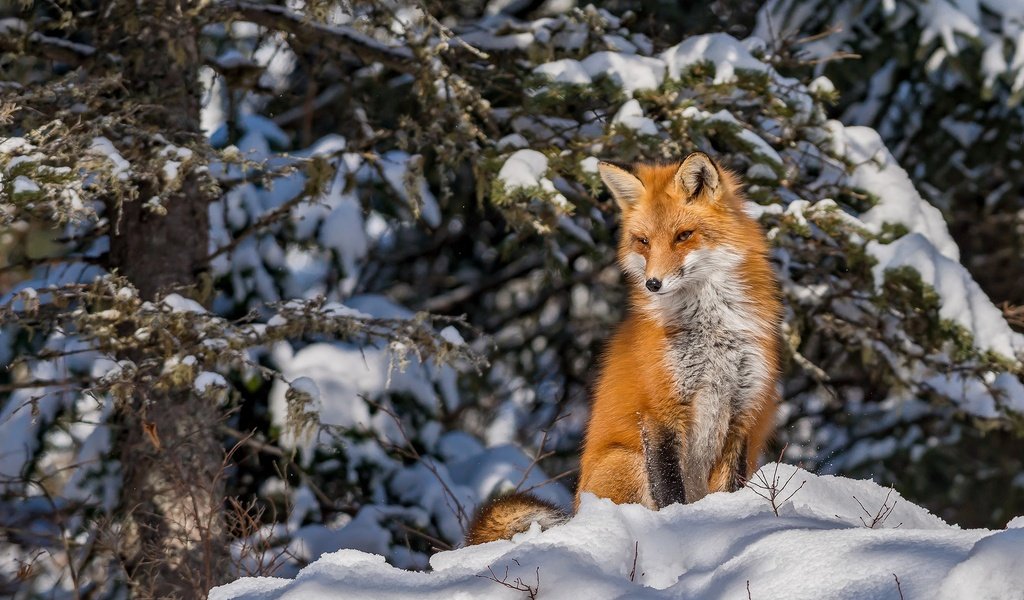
(504, 516)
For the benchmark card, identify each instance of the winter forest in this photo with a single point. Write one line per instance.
(289, 288)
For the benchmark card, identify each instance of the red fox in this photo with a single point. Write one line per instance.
(687, 393)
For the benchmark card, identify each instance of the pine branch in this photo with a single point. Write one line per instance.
(339, 38)
(44, 46)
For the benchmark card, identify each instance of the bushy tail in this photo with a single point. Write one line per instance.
(505, 516)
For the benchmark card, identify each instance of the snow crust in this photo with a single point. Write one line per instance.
(820, 545)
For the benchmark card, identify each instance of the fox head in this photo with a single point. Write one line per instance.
(682, 223)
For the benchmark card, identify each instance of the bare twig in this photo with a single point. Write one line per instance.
(636, 553)
(772, 490)
(410, 451)
(883, 512)
(561, 475)
(263, 222)
(540, 454)
(898, 587)
(437, 542)
(249, 439)
(1014, 315)
(517, 584)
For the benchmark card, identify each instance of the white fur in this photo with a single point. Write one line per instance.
(634, 265)
(718, 366)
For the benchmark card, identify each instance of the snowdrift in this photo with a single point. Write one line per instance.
(823, 537)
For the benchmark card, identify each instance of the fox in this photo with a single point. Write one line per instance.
(687, 391)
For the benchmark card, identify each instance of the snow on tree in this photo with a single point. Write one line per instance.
(942, 82)
(328, 276)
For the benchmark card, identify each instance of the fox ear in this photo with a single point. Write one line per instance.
(625, 187)
(698, 178)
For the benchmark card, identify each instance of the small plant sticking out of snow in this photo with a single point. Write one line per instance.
(773, 489)
(516, 584)
(880, 515)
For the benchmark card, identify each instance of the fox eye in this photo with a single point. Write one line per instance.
(643, 240)
(682, 236)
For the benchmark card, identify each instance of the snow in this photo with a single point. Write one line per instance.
(342, 229)
(963, 300)
(589, 164)
(631, 115)
(941, 19)
(395, 166)
(24, 185)
(725, 52)
(345, 377)
(362, 533)
(525, 168)
(103, 147)
(630, 72)
(566, 70)
(820, 545)
(207, 379)
(178, 303)
(512, 141)
(877, 172)
(10, 145)
(993, 569)
(233, 59)
(22, 416)
(255, 127)
(756, 142)
(821, 85)
(452, 336)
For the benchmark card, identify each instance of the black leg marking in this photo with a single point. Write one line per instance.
(664, 473)
(739, 477)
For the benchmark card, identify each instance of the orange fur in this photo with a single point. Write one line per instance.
(638, 396)
(635, 389)
(505, 516)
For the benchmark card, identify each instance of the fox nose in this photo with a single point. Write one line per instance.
(654, 284)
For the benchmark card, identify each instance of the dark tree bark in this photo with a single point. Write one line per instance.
(173, 541)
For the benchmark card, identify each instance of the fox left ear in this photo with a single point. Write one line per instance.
(626, 188)
(699, 178)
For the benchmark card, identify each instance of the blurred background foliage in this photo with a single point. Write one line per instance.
(272, 288)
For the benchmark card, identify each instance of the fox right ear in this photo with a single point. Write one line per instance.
(624, 186)
(698, 177)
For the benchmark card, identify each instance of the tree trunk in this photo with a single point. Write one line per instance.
(173, 535)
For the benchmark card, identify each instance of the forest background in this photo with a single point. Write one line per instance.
(283, 278)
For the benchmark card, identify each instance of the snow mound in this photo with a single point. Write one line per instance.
(820, 545)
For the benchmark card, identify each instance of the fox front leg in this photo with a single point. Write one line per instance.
(730, 471)
(662, 449)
